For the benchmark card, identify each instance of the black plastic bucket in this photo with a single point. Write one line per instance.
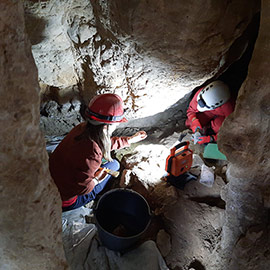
(122, 216)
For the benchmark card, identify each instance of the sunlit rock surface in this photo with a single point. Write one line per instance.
(148, 52)
(30, 221)
(151, 53)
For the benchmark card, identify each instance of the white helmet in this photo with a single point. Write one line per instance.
(212, 96)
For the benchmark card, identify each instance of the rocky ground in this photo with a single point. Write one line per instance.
(187, 221)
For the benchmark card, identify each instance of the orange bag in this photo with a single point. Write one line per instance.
(180, 159)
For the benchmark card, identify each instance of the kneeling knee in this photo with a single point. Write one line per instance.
(116, 165)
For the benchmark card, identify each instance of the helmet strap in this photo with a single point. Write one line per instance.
(94, 122)
(202, 103)
(116, 118)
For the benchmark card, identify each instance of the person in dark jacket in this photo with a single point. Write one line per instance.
(207, 111)
(76, 164)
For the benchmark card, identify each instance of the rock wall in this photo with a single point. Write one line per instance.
(30, 215)
(148, 52)
(245, 139)
(151, 53)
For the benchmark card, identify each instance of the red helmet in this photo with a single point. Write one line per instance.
(106, 108)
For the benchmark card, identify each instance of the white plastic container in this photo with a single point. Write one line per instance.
(207, 176)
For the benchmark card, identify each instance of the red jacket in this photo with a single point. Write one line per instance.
(74, 163)
(210, 119)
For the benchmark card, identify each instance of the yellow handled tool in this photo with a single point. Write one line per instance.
(109, 171)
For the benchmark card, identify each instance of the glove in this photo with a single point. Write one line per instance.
(195, 124)
(205, 139)
(195, 137)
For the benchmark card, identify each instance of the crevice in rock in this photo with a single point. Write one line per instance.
(173, 119)
(196, 265)
(210, 200)
(237, 71)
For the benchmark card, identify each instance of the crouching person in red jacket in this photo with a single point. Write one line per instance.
(75, 163)
(207, 111)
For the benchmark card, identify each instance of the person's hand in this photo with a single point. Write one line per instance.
(195, 137)
(196, 125)
(205, 139)
(138, 136)
(100, 175)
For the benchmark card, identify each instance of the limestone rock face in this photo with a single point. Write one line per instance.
(199, 241)
(30, 216)
(164, 242)
(148, 164)
(148, 52)
(245, 138)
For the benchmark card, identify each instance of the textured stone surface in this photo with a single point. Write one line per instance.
(30, 215)
(164, 242)
(192, 217)
(148, 163)
(198, 241)
(155, 49)
(245, 139)
(52, 122)
(82, 47)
